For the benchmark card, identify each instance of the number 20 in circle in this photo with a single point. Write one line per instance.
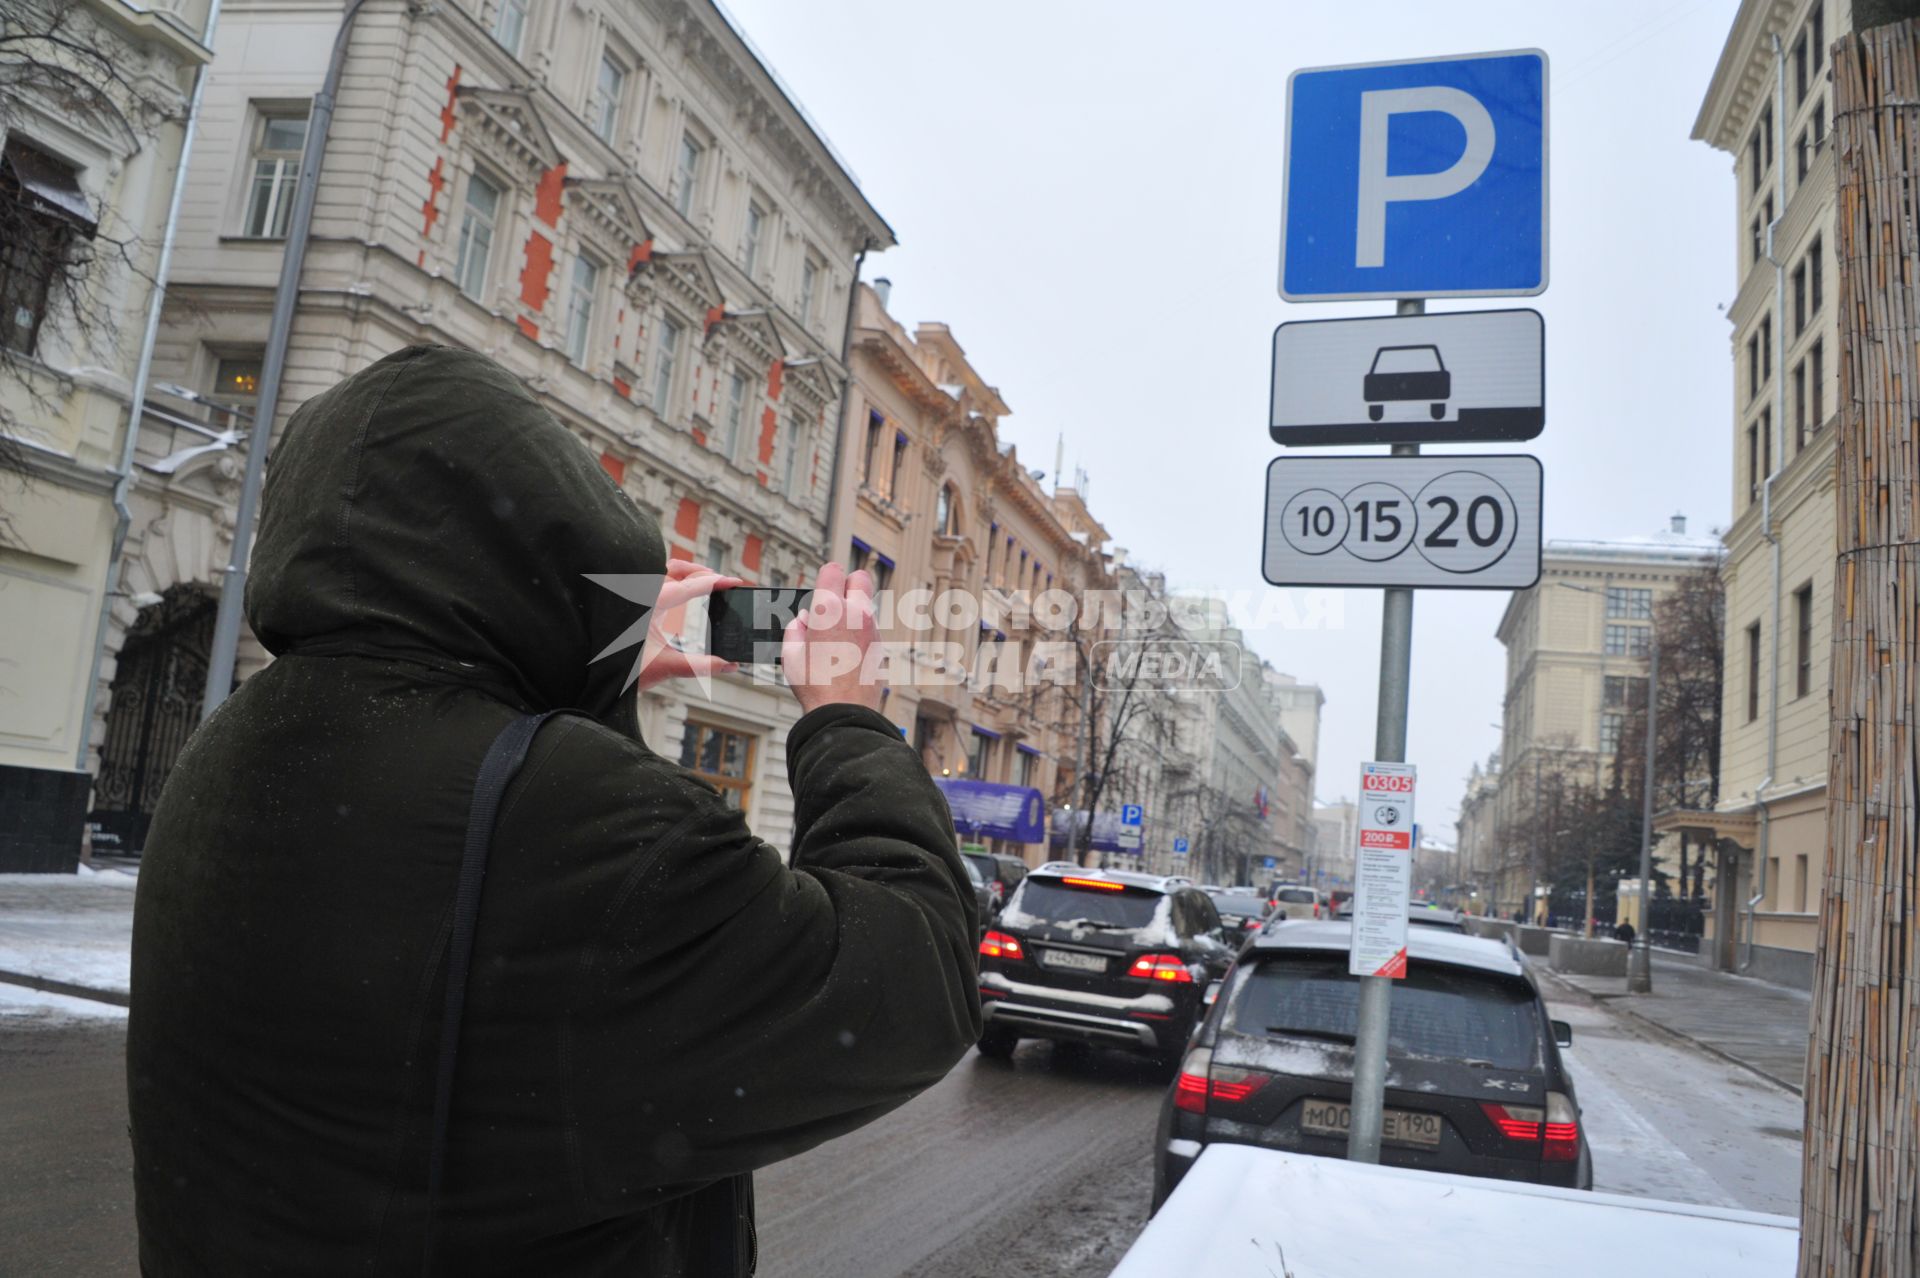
(1467, 522)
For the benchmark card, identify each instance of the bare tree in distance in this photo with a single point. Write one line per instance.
(59, 60)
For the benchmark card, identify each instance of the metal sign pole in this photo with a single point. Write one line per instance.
(1389, 746)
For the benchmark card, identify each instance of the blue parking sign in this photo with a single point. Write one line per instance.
(1179, 847)
(1130, 814)
(1416, 179)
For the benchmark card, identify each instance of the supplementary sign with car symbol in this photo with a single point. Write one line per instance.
(1382, 871)
(1416, 179)
(1459, 376)
(1451, 523)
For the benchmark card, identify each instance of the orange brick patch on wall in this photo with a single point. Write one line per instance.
(446, 112)
(686, 521)
(769, 427)
(614, 466)
(436, 182)
(750, 553)
(539, 268)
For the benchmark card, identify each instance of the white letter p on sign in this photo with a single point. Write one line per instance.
(1377, 189)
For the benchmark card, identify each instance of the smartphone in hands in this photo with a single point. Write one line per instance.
(747, 624)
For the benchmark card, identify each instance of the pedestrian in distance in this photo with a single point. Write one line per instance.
(1623, 931)
(352, 1052)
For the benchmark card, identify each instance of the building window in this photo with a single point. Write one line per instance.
(722, 758)
(809, 282)
(1753, 368)
(943, 512)
(1819, 127)
(750, 241)
(686, 174)
(1815, 281)
(1610, 726)
(509, 24)
(1816, 35)
(1817, 384)
(41, 210)
(1753, 672)
(1624, 691)
(1766, 141)
(603, 108)
(1025, 775)
(899, 464)
(1800, 883)
(276, 171)
(666, 351)
(876, 430)
(979, 755)
(736, 411)
(796, 441)
(719, 554)
(1755, 169)
(1766, 442)
(1756, 241)
(1800, 69)
(1803, 640)
(1753, 463)
(1799, 299)
(1630, 602)
(586, 280)
(1626, 641)
(477, 221)
(1803, 149)
(1799, 406)
(236, 381)
(1766, 348)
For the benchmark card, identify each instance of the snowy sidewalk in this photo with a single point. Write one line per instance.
(1750, 1022)
(69, 934)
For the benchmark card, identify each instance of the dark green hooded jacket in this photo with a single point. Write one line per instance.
(658, 1004)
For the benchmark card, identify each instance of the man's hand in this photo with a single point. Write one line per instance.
(825, 651)
(659, 659)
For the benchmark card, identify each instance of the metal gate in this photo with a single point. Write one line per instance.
(157, 690)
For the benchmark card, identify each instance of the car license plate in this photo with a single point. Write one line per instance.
(1072, 960)
(1402, 1127)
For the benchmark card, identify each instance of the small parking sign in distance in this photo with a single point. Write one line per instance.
(1425, 178)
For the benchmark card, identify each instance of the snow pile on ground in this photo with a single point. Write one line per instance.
(70, 928)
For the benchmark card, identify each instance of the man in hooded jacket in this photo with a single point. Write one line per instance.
(657, 1004)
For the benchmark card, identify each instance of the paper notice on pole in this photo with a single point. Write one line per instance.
(1382, 871)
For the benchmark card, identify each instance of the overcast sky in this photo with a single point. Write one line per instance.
(1089, 194)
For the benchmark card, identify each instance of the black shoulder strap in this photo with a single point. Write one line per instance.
(497, 770)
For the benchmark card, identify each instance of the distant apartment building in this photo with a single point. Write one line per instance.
(616, 201)
(948, 520)
(1769, 106)
(1477, 835)
(1336, 831)
(86, 179)
(1577, 646)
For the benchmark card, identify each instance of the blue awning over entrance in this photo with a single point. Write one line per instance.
(984, 809)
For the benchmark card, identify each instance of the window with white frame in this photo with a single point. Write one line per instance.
(509, 24)
(479, 215)
(1631, 602)
(277, 142)
(796, 438)
(582, 286)
(750, 240)
(736, 414)
(603, 108)
(686, 174)
(809, 286)
(1610, 725)
(666, 352)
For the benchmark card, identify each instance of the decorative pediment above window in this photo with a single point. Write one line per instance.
(609, 209)
(810, 380)
(509, 121)
(751, 334)
(685, 275)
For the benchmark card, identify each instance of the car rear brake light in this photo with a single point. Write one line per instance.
(1190, 1088)
(1235, 1085)
(1519, 1123)
(1161, 967)
(1562, 1131)
(1000, 945)
(1102, 884)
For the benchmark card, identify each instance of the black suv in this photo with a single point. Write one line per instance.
(1100, 956)
(1475, 1083)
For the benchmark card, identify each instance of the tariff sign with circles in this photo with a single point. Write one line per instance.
(1451, 522)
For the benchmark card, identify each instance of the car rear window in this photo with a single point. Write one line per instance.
(1437, 1011)
(1059, 901)
(973, 872)
(1252, 906)
(1299, 896)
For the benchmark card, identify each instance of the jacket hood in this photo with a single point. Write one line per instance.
(429, 508)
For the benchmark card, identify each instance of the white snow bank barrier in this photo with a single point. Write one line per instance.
(1243, 1212)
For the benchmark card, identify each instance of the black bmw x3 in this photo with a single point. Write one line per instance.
(1103, 957)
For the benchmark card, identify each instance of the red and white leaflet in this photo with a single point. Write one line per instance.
(1382, 871)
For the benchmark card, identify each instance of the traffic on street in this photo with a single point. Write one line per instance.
(555, 719)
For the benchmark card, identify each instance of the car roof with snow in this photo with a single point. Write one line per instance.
(1158, 882)
(1428, 945)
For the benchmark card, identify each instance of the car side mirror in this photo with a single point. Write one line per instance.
(1212, 994)
(1562, 1034)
